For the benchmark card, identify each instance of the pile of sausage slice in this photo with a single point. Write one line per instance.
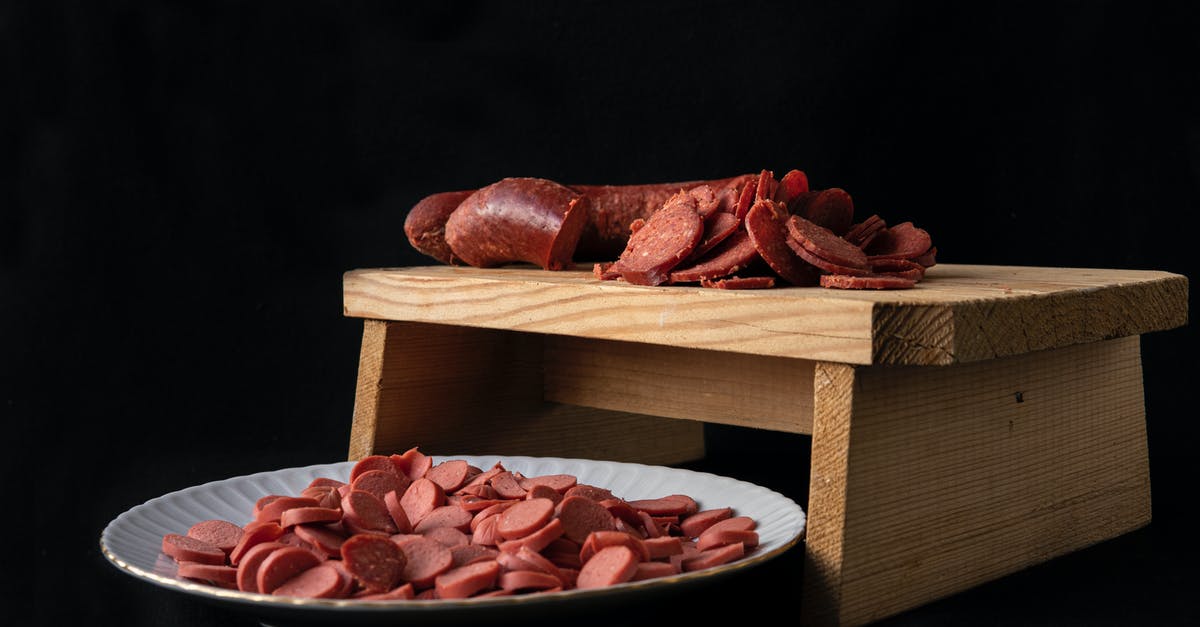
(406, 528)
(770, 230)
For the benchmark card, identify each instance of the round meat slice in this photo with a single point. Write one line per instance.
(375, 561)
(831, 208)
(735, 253)
(524, 518)
(467, 580)
(426, 560)
(717, 227)
(220, 533)
(581, 516)
(740, 283)
(827, 245)
(609, 566)
(283, 564)
(322, 581)
(903, 241)
(216, 574)
(869, 282)
(902, 268)
(670, 235)
(450, 475)
(764, 223)
(791, 186)
(824, 264)
(189, 549)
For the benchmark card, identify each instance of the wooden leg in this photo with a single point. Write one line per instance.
(929, 480)
(463, 390)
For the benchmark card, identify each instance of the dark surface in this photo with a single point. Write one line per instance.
(187, 182)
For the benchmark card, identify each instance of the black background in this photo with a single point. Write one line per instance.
(192, 179)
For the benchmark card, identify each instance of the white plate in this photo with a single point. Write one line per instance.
(132, 541)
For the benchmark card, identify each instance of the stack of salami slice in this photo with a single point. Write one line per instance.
(769, 230)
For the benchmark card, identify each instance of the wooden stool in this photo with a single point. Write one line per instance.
(988, 420)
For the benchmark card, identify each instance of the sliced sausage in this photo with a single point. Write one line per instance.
(399, 593)
(188, 549)
(253, 534)
(713, 539)
(376, 562)
(322, 581)
(465, 581)
(580, 516)
(902, 241)
(537, 540)
(321, 537)
(663, 546)
(520, 580)
(740, 283)
(372, 462)
(247, 577)
(609, 566)
(283, 564)
(524, 518)
(652, 570)
(735, 253)
(380, 482)
(714, 557)
(216, 574)
(365, 510)
(397, 513)
(426, 559)
(695, 524)
(471, 553)
(448, 536)
(271, 512)
(765, 225)
(450, 475)
(422, 497)
(868, 282)
(670, 235)
(451, 516)
(309, 515)
(832, 209)
(559, 483)
(825, 244)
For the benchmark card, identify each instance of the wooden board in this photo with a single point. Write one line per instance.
(927, 481)
(959, 313)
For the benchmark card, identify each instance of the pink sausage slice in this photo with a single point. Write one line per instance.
(399, 593)
(426, 560)
(507, 486)
(471, 553)
(664, 546)
(450, 475)
(188, 549)
(485, 532)
(364, 510)
(271, 512)
(220, 533)
(283, 564)
(516, 580)
(451, 516)
(609, 566)
(422, 497)
(399, 517)
(722, 537)
(380, 482)
(714, 557)
(652, 570)
(375, 561)
(448, 536)
(309, 515)
(537, 540)
(599, 540)
(581, 516)
(558, 483)
(322, 537)
(247, 575)
(525, 517)
(372, 462)
(694, 525)
(467, 580)
(322, 581)
(217, 574)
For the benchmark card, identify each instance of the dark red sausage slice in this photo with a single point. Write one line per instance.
(321, 537)
(283, 564)
(322, 581)
(733, 254)
(220, 533)
(465, 581)
(670, 235)
(903, 241)
(831, 208)
(188, 549)
(739, 283)
(902, 268)
(825, 244)
(791, 186)
(716, 228)
(824, 264)
(929, 258)
(870, 282)
(425, 224)
(609, 566)
(764, 223)
(375, 561)
(518, 219)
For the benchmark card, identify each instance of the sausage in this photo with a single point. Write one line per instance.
(663, 546)
(652, 570)
(791, 187)
(247, 576)
(580, 516)
(188, 549)
(764, 223)
(465, 581)
(254, 534)
(272, 511)
(869, 282)
(365, 511)
(470, 553)
(422, 497)
(739, 283)
(485, 532)
(537, 561)
(376, 562)
(694, 525)
(824, 243)
(412, 463)
(518, 219)
(399, 593)
(665, 506)
(832, 209)
(669, 237)
(507, 486)
(518, 580)
(539, 539)
(721, 537)
(559, 483)
(716, 228)
(902, 268)
(220, 533)
(321, 537)
(380, 482)
(598, 540)
(451, 516)
(426, 559)
(524, 518)
(448, 536)
(372, 462)
(308, 515)
(325, 496)
(281, 565)
(903, 241)
(714, 557)
(589, 491)
(609, 566)
(824, 264)
(928, 259)
(322, 581)
(216, 574)
(449, 475)
(862, 233)
(425, 224)
(396, 511)
(734, 253)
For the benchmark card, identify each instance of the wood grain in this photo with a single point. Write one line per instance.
(729, 388)
(927, 481)
(959, 313)
(461, 390)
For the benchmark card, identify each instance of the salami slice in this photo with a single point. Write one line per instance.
(831, 208)
(825, 244)
(869, 282)
(903, 241)
(903, 268)
(764, 223)
(670, 235)
(791, 186)
(824, 264)
(717, 227)
(862, 233)
(731, 255)
(740, 283)
(929, 258)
